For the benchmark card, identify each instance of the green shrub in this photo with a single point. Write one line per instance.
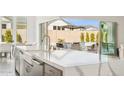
(87, 37)
(82, 37)
(18, 38)
(92, 36)
(8, 36)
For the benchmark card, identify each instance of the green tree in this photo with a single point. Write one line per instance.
(8, 36)
(18, 38)
(87, 37)
(82, 37)
(3, 38)
(92, 36)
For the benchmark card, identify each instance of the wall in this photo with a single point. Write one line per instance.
(31, 29)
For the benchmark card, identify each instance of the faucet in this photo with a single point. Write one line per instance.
(48, 42)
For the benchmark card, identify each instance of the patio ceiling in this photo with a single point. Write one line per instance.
(19, 19)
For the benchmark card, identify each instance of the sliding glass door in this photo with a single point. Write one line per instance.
(107, 40)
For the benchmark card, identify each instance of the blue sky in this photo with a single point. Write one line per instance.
(79, 22)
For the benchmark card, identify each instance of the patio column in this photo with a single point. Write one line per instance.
(14, 28)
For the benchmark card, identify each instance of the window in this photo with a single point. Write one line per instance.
(59, 27)
(3, 26)
(54, 27)
(63, 28)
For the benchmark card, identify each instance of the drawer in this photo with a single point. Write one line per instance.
(51, 71)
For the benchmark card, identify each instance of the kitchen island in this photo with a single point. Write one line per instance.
(74, 63)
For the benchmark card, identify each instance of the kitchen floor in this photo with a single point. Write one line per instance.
(7, 67)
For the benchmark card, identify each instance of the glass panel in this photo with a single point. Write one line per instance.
(21, 27)
(108, 40)
(6, 28)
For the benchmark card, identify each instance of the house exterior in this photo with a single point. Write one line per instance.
(61, 29)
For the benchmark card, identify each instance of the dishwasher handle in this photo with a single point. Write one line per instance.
(37, 62)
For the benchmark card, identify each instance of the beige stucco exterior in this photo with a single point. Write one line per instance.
(68, 36)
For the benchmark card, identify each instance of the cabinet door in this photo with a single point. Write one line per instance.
(51, 71)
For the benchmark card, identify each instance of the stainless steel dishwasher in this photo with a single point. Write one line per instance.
(34, 68)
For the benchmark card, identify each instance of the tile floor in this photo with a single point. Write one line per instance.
(7, 67)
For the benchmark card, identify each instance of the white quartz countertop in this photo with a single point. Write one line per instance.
(67, 58)
(28, 48)
(64, 58)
